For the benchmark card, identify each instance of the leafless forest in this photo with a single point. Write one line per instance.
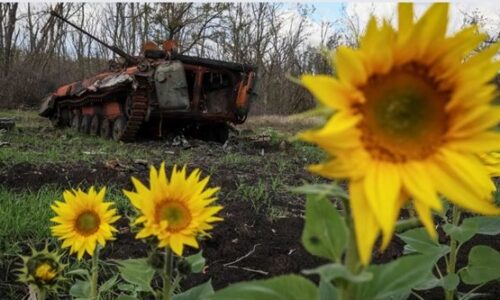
(39, 52)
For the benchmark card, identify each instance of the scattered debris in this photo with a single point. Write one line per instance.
(250, 270)
(243, 257)
(141, 162)
(283, 145)
(93, 152)
(180, 140)
(7, 123)
(116, 164)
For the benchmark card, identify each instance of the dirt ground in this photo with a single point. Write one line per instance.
(250, 243)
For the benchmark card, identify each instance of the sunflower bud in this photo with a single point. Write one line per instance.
(42, 269)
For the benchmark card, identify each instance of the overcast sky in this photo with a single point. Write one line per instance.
(332, 12)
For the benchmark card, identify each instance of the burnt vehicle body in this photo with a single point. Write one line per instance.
(155, 93)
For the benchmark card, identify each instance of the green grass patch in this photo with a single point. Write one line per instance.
(25, 216)
(52, 146)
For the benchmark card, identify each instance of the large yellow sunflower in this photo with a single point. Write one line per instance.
(176, 211)
(412, 116)
(84, 220)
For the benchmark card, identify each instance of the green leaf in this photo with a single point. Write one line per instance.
(126, 297)
(450, 281)
(484, 265)
(106, 286)
(330, 272)
(137, 272)
(418, 240)
(486, 225)
(196, 261)
(126, 287)
(79, 272)
(325, 233)
(397, 277)
(327, 291)
(198, 292)
(287, 287)
(430, 283)
(323, 190)
(400, 296)
(461, 233)
(81, 289)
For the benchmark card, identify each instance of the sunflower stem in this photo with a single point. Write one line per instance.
(351, 254)
(167, 274)
(42, 294)
(450, 294)
(94, 275)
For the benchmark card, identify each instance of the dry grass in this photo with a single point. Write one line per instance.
(25, 118)
(286, 124)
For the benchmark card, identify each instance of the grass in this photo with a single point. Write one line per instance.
(56, 146)
(25, 216)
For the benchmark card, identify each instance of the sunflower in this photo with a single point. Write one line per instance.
(42, 268)
(176, 211)
(84, 220)
(412, 116)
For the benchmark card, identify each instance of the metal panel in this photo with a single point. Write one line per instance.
(171, 86)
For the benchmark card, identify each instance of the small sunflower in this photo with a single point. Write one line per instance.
(176, 211)
(413, 115)
(84, 220)
(42, 268)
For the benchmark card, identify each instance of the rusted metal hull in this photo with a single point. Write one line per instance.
(154, 94)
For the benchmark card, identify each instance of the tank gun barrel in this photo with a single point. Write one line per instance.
(130, 59)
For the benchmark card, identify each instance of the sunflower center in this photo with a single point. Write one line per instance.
(45, 272)
(403, 115)
(87, 223)
(175, 213)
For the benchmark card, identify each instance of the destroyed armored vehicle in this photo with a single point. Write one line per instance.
(159, 92)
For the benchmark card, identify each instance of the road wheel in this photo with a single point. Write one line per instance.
(75, 121)
(106, 126)
(95, 125)
(85, 125)
(119, 128)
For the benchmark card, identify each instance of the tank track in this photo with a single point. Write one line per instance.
(138, 112)
(136, 116)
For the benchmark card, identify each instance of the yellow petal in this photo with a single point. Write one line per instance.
(327, 90)
(488, 141)
(365, 226)
(141, 189)
(405, 19)
(417, 184)
(350, 68)
(458, 192)
(382, 189)
(176, 244)
(425, 216)
(430, 28)
(377, 47)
